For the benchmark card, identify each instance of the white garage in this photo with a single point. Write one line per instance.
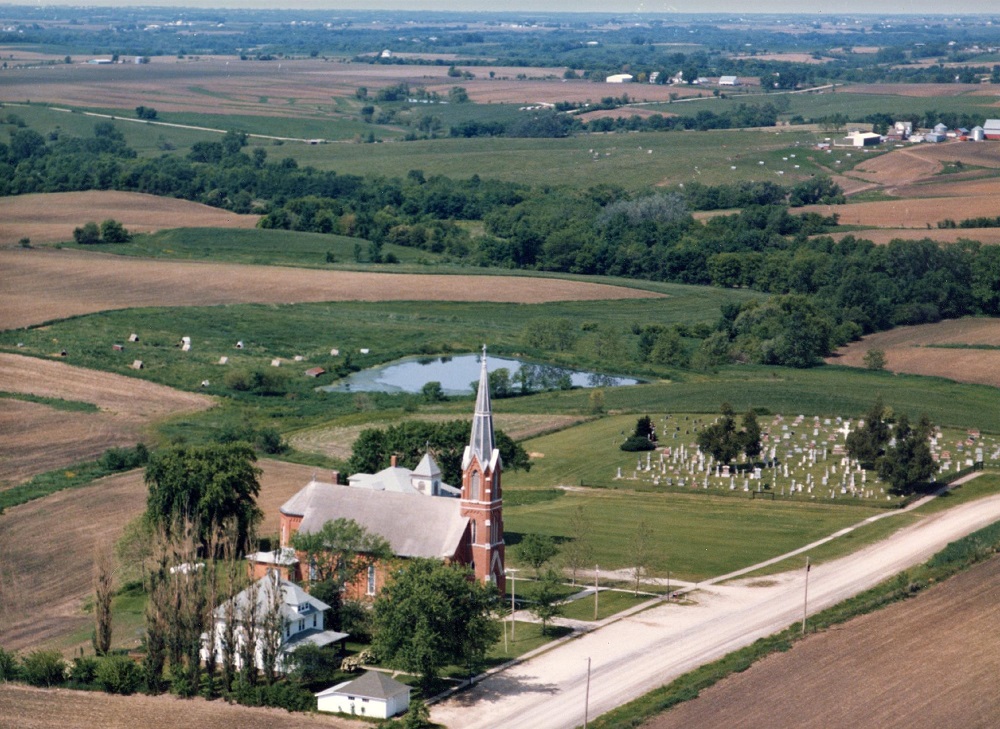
(372, 694)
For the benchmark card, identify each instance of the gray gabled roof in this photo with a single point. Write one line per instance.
(427, 467)
(415, 526)
(370, 685)
(992, 124)
(295, 602)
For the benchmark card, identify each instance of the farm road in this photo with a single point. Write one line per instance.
(641, 652)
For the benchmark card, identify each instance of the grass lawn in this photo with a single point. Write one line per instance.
(527, 637)
(694, 536)
(609, 603)
(254, 246)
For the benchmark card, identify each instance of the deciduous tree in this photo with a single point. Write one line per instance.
(431, 614)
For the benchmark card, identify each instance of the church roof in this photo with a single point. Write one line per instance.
(481, 444)
(427, 468)
(414, 527)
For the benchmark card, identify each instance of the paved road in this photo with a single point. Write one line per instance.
(639, 653)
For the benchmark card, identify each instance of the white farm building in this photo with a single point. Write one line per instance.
(620, 78)
(374, 695)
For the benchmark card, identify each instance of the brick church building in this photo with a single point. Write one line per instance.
(418, 514)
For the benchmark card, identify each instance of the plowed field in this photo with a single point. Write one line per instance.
(31, 708)
(35, 438)
(47, 549)
(928, 662)
(909, 213)
(51, 217)
(42, 285)
(907, 350)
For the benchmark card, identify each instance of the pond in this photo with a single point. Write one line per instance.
(458, 375)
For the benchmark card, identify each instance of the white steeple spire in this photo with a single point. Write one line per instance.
(481, 444)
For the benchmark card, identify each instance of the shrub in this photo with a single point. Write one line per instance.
(43, 668)
(637, 443)
(119, 675)
(8, 665)
(84, 670)
(89, 234)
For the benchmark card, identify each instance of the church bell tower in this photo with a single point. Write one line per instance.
(482, 499)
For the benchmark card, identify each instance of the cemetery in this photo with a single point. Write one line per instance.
(801, 458)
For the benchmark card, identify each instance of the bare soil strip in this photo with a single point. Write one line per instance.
(47, 549)
(927, 662)
(32, 708)
(906, 350)
(37, 438)
(42, 285)
(51, 217)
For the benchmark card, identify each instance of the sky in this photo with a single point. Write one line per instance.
(820, 7)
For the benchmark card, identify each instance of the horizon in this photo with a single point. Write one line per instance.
(591, 7)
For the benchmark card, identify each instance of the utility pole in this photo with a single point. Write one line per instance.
(586, 698)
(805, 598)
(513, 590)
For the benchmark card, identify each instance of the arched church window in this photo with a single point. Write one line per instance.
(475, 487)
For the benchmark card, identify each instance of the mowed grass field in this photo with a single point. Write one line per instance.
(874, 670)
(692, 535)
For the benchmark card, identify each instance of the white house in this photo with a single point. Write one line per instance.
(301, 620)
(373, 694)
(620, 78)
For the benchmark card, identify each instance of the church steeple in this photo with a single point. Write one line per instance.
(481, 444)
(482, 500)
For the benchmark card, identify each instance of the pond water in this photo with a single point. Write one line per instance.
(460, 373)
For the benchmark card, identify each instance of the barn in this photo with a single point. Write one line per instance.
(991, 129)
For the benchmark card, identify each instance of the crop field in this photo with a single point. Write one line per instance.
(47, 551)
(38, 437)
(45, 285)
(33, 708)
(51, 217)
(874, 670)
(964, 350)
(917, 213)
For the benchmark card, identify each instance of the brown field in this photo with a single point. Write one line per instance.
(51, 217)
(622, 113)
(909, 213)
(338, 441)
(38, 438)
(787, 57)
(907, 350)
(898, 167)
(42, 285)
(25, 707)
(47, 549)
(928, 662)
(299, 88)
(927, 91)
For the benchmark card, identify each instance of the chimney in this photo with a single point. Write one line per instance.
(392, 461)
(335, 477)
